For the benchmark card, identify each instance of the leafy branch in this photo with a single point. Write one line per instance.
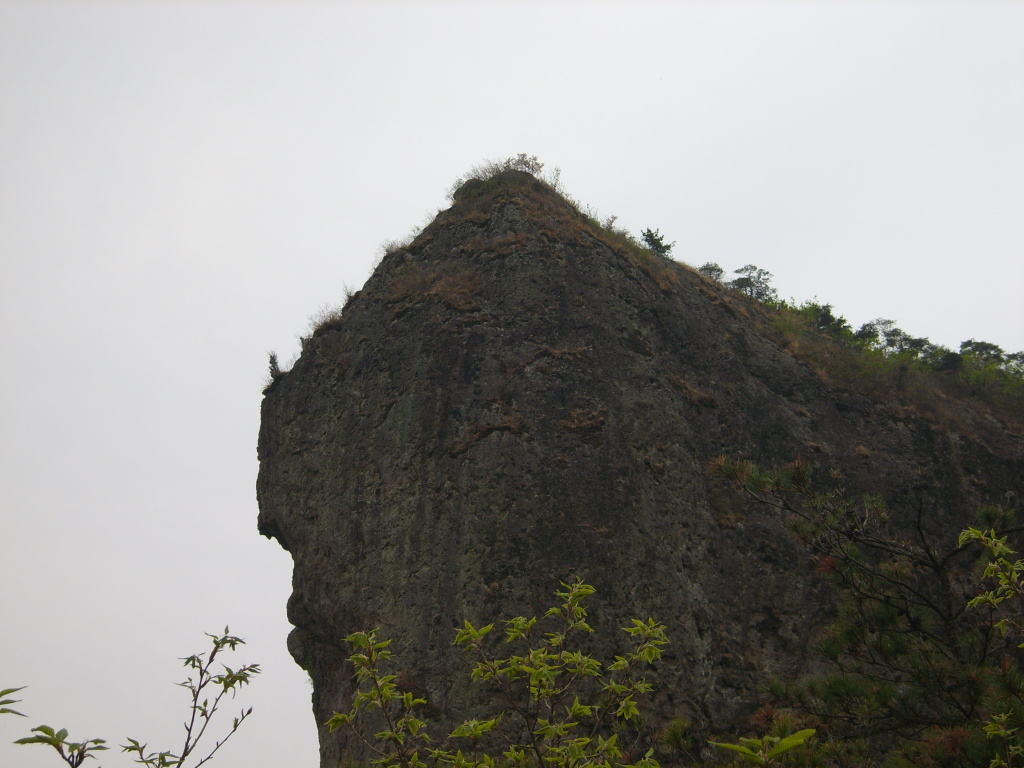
(202, 709)
(207, 688)
(764, 751)
(562, 707)
(916, 666)
(72, 753)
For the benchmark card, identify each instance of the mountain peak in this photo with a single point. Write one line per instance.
(521, 396)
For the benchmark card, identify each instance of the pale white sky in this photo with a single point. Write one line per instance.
(183, 184)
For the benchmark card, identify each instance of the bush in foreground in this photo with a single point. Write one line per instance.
(561, 707)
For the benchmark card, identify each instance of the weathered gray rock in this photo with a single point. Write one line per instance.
(515, 400)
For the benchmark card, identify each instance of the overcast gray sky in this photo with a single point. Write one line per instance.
(183, 184)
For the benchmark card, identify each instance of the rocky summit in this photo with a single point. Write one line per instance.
(521, 397)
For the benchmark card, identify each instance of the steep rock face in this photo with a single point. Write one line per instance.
(515, 400)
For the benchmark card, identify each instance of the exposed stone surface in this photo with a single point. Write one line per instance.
(515, 400)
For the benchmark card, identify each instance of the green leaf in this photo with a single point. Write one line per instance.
(474, 729)
(735, 748)
(794, 740)
(4, 702)
(32, 740)
(337, 720)
(627, 709)
(4, 710)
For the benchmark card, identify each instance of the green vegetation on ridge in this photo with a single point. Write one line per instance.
(878, 359)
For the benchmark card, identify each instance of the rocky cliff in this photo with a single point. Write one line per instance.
(518, 398)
